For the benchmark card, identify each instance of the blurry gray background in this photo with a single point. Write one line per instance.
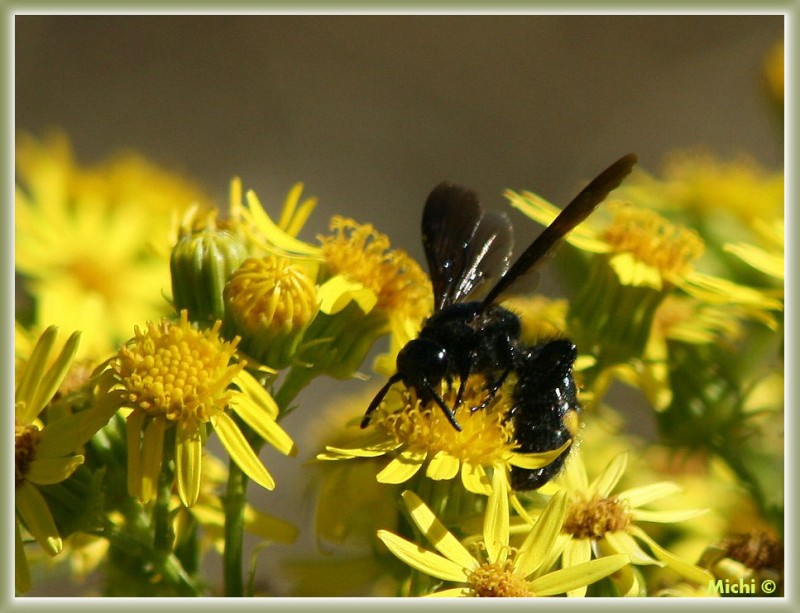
(372, 112)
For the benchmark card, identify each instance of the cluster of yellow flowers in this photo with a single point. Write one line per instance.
(193, 321)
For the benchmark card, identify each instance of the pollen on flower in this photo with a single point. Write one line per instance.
(594, 517)
(271, 292)
(362, 253)
(653, 240)
(176, 371)
(498, 579)
(486, 438)
(25, 440)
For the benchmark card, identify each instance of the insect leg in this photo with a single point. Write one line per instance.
(448, 412)
(493, 389)
(378, 398)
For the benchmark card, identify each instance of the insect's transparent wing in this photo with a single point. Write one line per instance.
(464, 246)
(573, 214)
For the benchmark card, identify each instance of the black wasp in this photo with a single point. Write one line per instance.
(466, 247)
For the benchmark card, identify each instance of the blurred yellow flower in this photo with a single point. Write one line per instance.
(86, 239)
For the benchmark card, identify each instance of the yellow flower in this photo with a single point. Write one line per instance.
(45, 451)
(503, 571)
(176, 378)
(416, 434)
(84, 239)
(599, 522)
(645, 250)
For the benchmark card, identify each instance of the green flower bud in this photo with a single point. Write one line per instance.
(201, 265)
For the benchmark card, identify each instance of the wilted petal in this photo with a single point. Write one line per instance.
(423, 560)
(402, 468)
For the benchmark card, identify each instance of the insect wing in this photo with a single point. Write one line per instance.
(573, 214)
(465, 247)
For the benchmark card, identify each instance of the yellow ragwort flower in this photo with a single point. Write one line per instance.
(600, 523)
(416, 434)
(84, 239)
(502, 571)
(176, 377)
(45, 452)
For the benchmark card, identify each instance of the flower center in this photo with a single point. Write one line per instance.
(25, 441)
(362, 253)
(486, 438)
(271, 292)
(593, 518)
(498, 579)
(651, 239)
(176, 371)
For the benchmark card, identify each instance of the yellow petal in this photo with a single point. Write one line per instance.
(638, 496)
(22, 575)
(253, 389)
(188, 458)
(474, 479)
(456, 592)
(577, 552)
(48, 384)
(69, 433)
(608, 479)
(268, 527)
(133, 427)
(339, 291)
(442, 466)
(45, 471)
(760, 259)
(152, 455)
(436, 532)
(667, 517)
(402, 468)
(35, 514)
(622, 542)
(568, 579)
(367, 451)
(542, 536)
(495, 518)
(240, 451)
(267, 428)
(423, 560)
(532, 461)
(32, 374)
(574, 478)
(283, 242)
(635, 273)
(689, 571)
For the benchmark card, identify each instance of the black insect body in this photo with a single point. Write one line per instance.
(466, 248)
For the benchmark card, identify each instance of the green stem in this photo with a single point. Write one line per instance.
(163, 534)
(235, 499)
